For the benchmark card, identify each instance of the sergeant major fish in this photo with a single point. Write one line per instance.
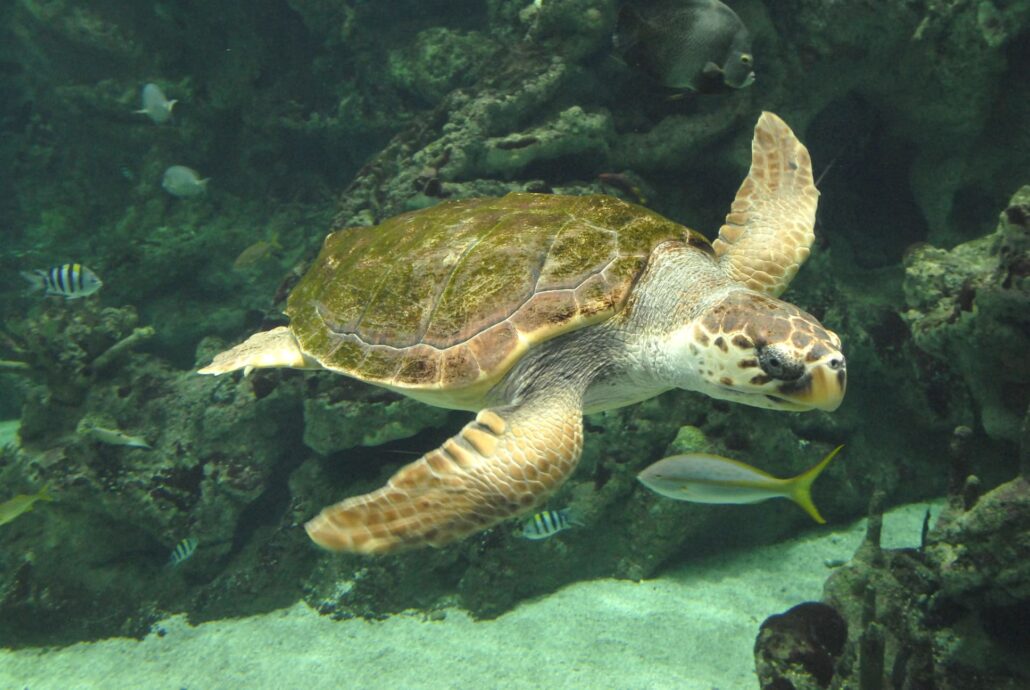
(71, 281)
(700, 45)
(182, 551)
(14, 508)
(183, 182)
(703, 478)
(547, 523)
(155, 105)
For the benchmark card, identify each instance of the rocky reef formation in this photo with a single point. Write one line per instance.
(946, 615)
(139, 456)
(969, 308)
(914, 113)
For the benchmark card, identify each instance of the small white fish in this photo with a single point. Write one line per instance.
(155, 105)
(113, 437)
(71, 281)
(182, 551)
(547, 523)
(703, 478)
(183, 182)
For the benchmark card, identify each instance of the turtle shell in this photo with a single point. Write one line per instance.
(440, 303)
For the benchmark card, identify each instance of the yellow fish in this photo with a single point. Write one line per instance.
(257, 253)
(113, 437)
(21, 504)
(703, 478)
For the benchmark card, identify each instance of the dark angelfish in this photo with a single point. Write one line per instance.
(701, 45)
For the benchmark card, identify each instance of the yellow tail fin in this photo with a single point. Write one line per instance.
(799, 489)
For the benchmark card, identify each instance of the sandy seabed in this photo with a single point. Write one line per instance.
(692, 628)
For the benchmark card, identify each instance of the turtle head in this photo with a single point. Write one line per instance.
(754, 349)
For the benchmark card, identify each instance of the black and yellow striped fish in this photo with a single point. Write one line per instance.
(71, 281)
(547, 523)
(182, 551)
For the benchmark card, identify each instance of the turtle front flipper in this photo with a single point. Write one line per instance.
(274, 348)
(770, 226)
(502, 464)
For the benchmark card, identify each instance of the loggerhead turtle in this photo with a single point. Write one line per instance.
(534, 309)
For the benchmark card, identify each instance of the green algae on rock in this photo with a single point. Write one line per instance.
(334, 426)
(915, 614)
(970, 309)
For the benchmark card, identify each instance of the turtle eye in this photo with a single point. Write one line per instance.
(779, 364)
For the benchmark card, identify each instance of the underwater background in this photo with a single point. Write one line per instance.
(134, 492)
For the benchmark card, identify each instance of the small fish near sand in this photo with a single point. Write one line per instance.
(703, 478)
(70, 281)
(700, 45)
(183, 182)
(14, 508)
(155, 105)
(182, 552)
(112, 437)
(547, 523)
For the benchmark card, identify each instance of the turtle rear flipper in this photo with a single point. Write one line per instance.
(502, 464)
(274, 348)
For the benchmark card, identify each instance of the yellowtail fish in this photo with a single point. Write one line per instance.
(703, 478)
(155, 105)
(113, 437)
(21, 504)
(182, 551)
(71, 281)
(257, 253)
(547, 524)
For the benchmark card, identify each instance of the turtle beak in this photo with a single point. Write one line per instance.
(822, 388)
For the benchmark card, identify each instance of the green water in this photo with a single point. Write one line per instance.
(293, 120)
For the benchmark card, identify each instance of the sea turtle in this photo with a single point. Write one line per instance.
(533, 309)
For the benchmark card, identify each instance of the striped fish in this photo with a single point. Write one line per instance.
(547, 524)
(69, 280)
(182, 551)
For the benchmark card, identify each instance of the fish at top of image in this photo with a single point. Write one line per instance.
(70, 281)
(182, 552)
(155, 105)
(547, 523)
(183, 182)
(704, 478)
(700, 45)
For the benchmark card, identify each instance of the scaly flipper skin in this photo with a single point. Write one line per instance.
(504, 463)
(274, 348)
(614, 304)
(770, 226)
